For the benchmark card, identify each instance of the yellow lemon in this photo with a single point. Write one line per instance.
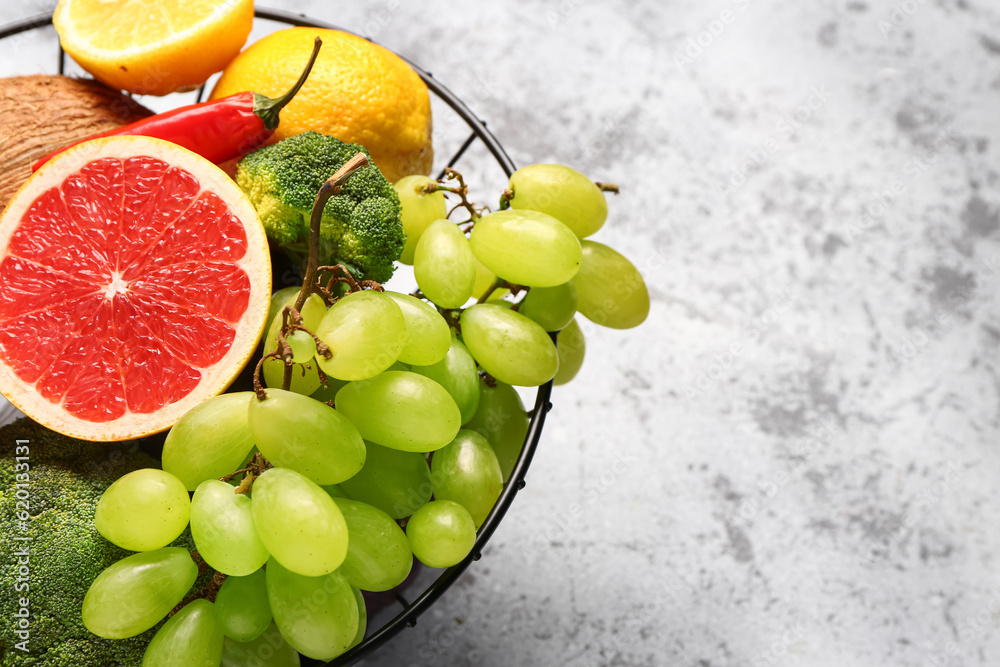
(153, 47)
(358, 92)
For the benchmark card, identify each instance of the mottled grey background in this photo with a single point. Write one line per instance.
(794, 461)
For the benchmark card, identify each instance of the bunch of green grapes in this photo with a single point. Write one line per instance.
(392, 438)
(536, 244)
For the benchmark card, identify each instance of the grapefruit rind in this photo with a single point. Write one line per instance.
(255, 263)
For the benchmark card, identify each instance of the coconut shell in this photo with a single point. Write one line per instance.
(42, 113)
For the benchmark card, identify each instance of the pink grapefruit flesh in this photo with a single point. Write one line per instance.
(134, 283)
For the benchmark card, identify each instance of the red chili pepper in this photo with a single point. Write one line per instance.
(218, 130)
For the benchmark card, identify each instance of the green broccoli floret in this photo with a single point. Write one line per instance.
(65, 553)
(361, 225)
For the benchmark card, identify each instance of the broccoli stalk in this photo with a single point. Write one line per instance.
(360, 227)
(65, 553)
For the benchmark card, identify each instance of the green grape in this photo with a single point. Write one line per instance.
(457, 373)
(329, 391)
(499, 295)
(299, 523)
(500, 301)
(419, 210)
(427, 334)
(210, 440)
(310, 437)
(467, 471)
(365, 331)
(526, 247)
(441, 533)
(190, 638)
(143, 510)
(508, 345)
(563, 193)
(402, 410)
(304, 381)
(610, 291)
(484, 279)
(236, 479)
(362, 617)
(378, 555)
(242, 607)
(571, 347)
(303, 346)
(398, 483)
(444, 265)
(134, 594)
(268, 650)
(334, 489)
(279, 299)
(502, 420)
(318, 616)
(223, 530)
(313, 310)
(552, 307)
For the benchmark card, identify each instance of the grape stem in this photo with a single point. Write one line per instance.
(462, 190)
(497, 284)
(234, 473)
(341, 274)
(333, 186)
(607, 187)
(258, 464)
(209, 591)
(258, 388)
(505, 198)
(292, 314)
(291, 320)
(454, 319)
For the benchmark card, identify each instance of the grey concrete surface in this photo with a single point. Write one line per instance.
(794, 460)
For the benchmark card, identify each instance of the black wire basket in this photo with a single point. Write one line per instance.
(409, 609)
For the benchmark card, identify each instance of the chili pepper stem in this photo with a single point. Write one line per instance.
(267, 108)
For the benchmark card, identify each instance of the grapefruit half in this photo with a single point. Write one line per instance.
(134, 284)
